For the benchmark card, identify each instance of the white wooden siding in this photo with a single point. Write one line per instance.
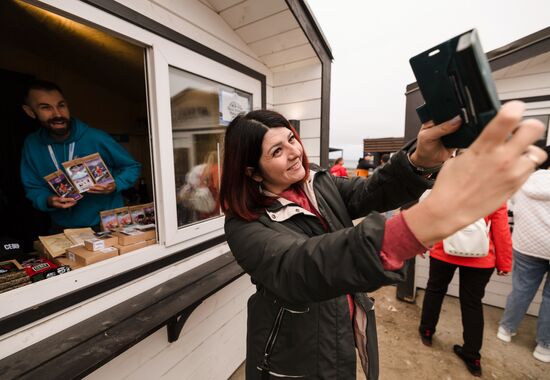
(279, 42)
(525, 79)
(296, 64)
(199, 22)
(536, 84)
(248, 12)
(221, 5)
(268, 27)
(307, 109)
(310, 128)
(293, 54)
(214, 333)
(297, 95)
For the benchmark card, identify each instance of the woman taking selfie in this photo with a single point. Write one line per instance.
(289, 225)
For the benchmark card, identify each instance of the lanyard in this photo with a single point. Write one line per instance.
(52, 155)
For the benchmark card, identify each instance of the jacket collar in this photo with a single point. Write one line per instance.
(283, 209)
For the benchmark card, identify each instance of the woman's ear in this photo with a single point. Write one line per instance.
(252, 173)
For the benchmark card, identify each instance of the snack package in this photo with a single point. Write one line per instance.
(149, 211)
(77, 172)
(97, 169)
(137, 213)
(40, 269)
(109, 220)
(123, 216)
(59, 182)
(10, 270)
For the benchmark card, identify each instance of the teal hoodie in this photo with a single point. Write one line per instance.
(36, 163)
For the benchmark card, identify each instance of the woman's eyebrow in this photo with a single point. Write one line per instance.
(276, 145)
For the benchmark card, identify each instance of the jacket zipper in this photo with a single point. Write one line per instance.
(265, 367)
(272, 338)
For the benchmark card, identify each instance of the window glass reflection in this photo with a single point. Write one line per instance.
(200, 109)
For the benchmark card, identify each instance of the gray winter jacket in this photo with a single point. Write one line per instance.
(299, 323)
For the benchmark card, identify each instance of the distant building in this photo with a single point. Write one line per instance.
(377, 147)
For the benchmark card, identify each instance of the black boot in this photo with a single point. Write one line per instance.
(426, 336)
(473, 365)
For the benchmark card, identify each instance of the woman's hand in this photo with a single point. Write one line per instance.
(478, 181)
(430, 151)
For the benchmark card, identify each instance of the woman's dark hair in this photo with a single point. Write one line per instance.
(339, 160)
(239, 193)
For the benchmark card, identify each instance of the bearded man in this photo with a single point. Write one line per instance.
(62, 138)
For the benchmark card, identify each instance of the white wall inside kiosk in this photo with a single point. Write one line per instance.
(519, 81)
(216, 330)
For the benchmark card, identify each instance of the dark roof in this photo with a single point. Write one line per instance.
(386, 144)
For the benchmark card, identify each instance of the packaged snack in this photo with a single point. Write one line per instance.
(97, 169)
(59, 182)
(77, 172)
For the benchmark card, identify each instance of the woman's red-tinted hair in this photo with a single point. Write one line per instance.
(239, 193)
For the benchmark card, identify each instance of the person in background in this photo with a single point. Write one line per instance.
(475, 273)
(383, 161)
(338, 168)
(289, 226)
(63, 138)
(364, 166)
(531, 243)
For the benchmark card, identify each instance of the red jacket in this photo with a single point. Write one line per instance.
(339, 171)
(500, 246)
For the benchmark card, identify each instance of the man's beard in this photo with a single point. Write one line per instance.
(57, 131)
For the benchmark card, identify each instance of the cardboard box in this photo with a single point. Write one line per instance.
(122, 249)
(151, 241)
(78, 235)
(135, 236)
(38, 246)
(101, 242)
(94, 244)
(109, 240)
(55, 245)
(83, 257)
(65, 261)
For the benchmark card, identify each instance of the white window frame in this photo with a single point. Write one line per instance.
(166, 55)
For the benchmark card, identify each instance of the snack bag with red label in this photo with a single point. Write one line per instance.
(40, 269)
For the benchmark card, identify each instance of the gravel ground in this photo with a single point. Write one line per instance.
(403, 356)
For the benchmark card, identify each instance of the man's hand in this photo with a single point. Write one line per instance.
(102, 189)
(60, 202)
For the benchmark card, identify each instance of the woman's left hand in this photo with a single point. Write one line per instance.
(430, 150)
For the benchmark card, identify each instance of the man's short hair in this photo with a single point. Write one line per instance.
(43, 85)
(385, 158)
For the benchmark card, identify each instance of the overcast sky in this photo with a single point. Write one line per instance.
(372, 42)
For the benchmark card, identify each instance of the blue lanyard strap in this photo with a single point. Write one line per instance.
(52, 155)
